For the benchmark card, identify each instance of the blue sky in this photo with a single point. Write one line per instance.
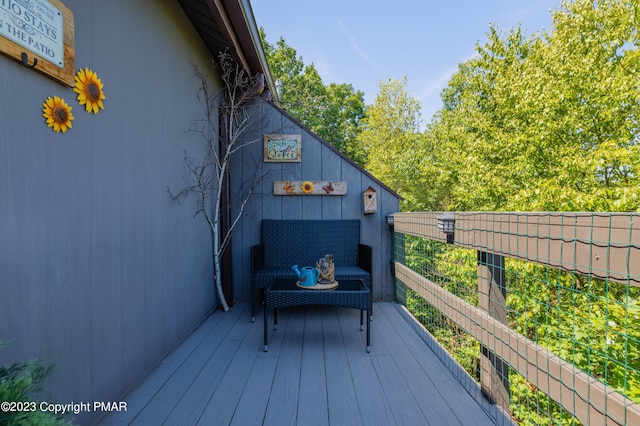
(364, 42)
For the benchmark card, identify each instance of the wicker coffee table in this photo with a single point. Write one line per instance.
(284, 293)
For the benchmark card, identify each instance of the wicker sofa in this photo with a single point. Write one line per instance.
(302, 242)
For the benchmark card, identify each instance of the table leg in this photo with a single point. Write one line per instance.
(266, 330)
(253, 304)
(368, 332)
(275, 319)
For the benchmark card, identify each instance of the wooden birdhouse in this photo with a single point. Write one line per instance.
(370, 201)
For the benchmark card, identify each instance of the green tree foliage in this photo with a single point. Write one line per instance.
(583, 320)
(341, 119)
(331, 111)
(548, 122)
(390, 139)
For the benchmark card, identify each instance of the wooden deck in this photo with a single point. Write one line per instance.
(317, 372)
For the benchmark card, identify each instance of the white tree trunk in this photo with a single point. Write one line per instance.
(239, 91)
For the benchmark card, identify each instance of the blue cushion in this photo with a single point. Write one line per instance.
(266, 276)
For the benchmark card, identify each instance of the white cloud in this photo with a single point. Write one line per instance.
(354, 43)
(428, 93)
(523, 15)
(435, 85)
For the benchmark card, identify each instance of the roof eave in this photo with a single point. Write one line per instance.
(236, 20)
(258, 48)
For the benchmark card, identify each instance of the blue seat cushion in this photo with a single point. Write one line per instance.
(266, 276)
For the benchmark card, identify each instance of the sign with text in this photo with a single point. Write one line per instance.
(36, 25)
(282, 148)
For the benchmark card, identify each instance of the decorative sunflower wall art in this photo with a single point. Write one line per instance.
(307, 187)
(58, 114)
(89, 90)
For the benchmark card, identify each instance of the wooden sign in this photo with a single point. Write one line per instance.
(282, 148)
(299, 187)
(39, 33)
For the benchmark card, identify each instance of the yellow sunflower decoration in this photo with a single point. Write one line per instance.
(58, 114)
(307, 187)
(89, 90)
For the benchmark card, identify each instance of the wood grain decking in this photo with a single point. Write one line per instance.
(317, 372)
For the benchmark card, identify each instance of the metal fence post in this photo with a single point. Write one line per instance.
(492, 296)
(399, 256)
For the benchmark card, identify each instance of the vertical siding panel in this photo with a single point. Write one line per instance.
(24, 163)
(272, 206)
(331, 170)
(311, 170)
(139, 301)
(291, 206)
(371, 235)
(388, 204)
(244, 165)
(352, 201)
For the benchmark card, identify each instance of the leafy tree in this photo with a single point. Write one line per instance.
(548, 122)
(331, 111)
(390, 138)
(342, 114)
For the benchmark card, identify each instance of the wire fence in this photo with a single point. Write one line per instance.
(551, 337)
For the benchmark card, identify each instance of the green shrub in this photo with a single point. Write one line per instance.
(20, 382)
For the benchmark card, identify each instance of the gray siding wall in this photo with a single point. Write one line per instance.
(319, 162)
(99, 272)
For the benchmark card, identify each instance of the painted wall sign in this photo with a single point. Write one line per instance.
(323, 187)
(282, 148)
(39, 33)
(36, 25)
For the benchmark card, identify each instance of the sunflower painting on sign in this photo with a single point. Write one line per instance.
(307, 187)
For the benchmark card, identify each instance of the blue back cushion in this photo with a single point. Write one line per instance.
(303, 242)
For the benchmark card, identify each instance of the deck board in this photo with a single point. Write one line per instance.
(181, 382)
(255, 397)
(312, 403)
(317, 371)
(161, 375)
(341, 393)
(219, 408)
(447, 387)
(412, 368)
(283, 397)
(374, 409)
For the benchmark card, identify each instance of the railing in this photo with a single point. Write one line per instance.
(541, 309)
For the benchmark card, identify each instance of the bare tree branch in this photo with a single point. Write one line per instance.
(207, 175)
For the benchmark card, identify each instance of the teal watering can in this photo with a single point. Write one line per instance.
(307, 275)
